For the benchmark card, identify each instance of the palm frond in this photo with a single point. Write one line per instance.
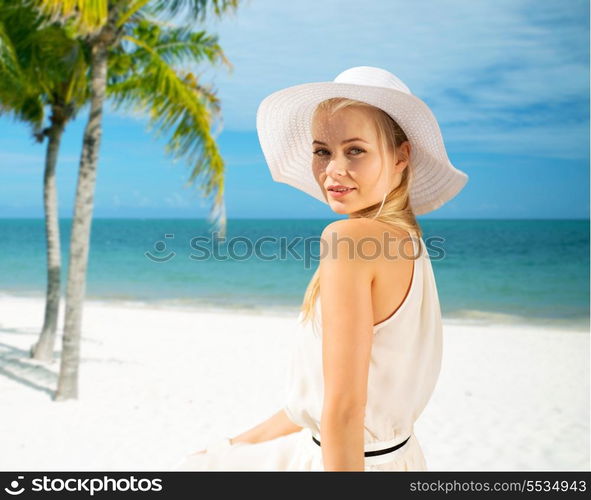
(196, 9)
(9, 67)
(133, 11)
(41, 64)
(18, 95)
(180, 107)
(180, 44)
(88, 15)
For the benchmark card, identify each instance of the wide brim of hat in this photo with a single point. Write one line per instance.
(284, 120)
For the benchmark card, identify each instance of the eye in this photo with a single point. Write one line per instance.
(318, 151)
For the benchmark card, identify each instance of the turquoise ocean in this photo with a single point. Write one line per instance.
(487, 271)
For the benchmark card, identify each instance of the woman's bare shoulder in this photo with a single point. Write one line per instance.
(362, 227)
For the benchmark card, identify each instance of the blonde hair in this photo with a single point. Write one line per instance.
(395, 208)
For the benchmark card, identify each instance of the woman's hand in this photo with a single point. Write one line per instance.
(230, 442)
(277, 425)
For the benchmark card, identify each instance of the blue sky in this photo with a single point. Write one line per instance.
(508, 81)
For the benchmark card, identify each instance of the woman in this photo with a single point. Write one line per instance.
(368, 355)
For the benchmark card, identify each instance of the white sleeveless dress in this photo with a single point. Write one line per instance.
(404, 368)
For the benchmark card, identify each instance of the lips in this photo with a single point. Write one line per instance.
(337, 192)
(339, 188)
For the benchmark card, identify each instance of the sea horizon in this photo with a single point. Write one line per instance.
(488, 271)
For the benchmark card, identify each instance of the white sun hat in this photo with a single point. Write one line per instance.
(284, 124)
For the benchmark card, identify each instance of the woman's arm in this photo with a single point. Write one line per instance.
(347, 336)
(275, 426)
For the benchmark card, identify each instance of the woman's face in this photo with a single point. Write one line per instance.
(346, 153)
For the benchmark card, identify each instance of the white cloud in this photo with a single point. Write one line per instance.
(476, 63)
(176, 200)
(139, 200)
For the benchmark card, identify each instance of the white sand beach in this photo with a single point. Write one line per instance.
(156, 384)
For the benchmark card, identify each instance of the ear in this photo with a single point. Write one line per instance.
(403, 156)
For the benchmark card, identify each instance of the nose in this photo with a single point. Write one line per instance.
(335, 167)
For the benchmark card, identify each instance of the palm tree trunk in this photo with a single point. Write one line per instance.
(81, 225)
(43, 349)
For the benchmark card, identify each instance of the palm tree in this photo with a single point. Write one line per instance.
(148, 78)
(42, 65)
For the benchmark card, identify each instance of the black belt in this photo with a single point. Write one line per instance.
(376, 452)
